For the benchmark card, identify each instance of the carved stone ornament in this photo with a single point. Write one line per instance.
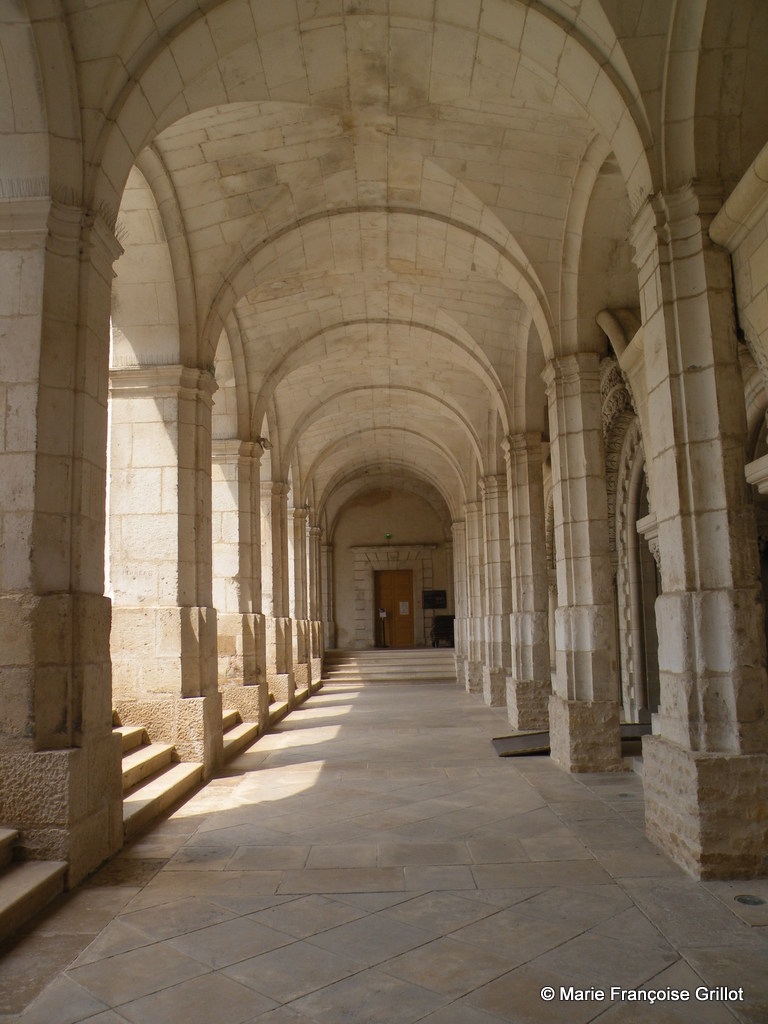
(614, 394)
(761, 518)
(653, 547)
(648, 527)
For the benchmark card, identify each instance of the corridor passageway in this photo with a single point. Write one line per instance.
(450, 310)
(373, 860)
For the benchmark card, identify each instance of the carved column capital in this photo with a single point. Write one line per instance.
(563, 370)
(648, 528)
(230, 449)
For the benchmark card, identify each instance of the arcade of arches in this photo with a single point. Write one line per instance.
(296, 293)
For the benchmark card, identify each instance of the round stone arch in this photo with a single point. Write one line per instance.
(354, 485)
(241, 52)
(316, 414)
(461, 345)
(596, 268)
(42, 154)
(427, 447)
(155, 271)
(401, 470)
(427, 558)
(466, 249)
(147, 292)
(234, 375)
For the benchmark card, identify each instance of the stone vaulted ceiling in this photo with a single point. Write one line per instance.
(372, 212)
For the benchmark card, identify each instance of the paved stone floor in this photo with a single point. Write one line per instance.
(372, 860)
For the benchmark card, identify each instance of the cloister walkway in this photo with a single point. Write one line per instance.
(372, 860)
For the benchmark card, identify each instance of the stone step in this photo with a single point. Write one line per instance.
(150, 800)
(412, 680)
(391, 668)
(277, 711)
(132, 736)
(140, 764)
(427, 665)
(390, 677)
(420, 665)
(239, 736)
(230, 718)
(388, 662)
(417, 653)
(8, 837)
(26, 888)
(388, 666)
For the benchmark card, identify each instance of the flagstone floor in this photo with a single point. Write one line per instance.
(372, 861)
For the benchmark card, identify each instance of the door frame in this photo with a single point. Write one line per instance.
(368, 559)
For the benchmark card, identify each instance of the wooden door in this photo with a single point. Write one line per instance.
(393, 591)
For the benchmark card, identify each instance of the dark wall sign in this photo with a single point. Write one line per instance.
(434, 599)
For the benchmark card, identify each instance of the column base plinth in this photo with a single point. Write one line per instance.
(709, 812)
(241, 648)
(494, 686)
(474, 676)
(462, 672)
(528, 703)
(584, 735)
(281, 685)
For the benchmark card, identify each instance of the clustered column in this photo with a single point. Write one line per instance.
(237, 578)
(59, 762)
(705, 771)
(461, 625)
(584, 709)
(529, 683)
(297, 526)
(315, 603)
(326, 577)
(476, 586)
(274, 593)
(497, 660)
(164, 661)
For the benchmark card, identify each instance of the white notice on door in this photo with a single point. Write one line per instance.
(403, 607)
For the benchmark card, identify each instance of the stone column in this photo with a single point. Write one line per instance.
(705, 770)
(450, 595)
(461, 600)
(584, 709)
(497, 660)
(164, 663)
(476, 581)
(298, 589)
(274, 588)
(60, 782)
(529, 683)
(315, 603)
(236, 535)
(551, 612)
(326, 577)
